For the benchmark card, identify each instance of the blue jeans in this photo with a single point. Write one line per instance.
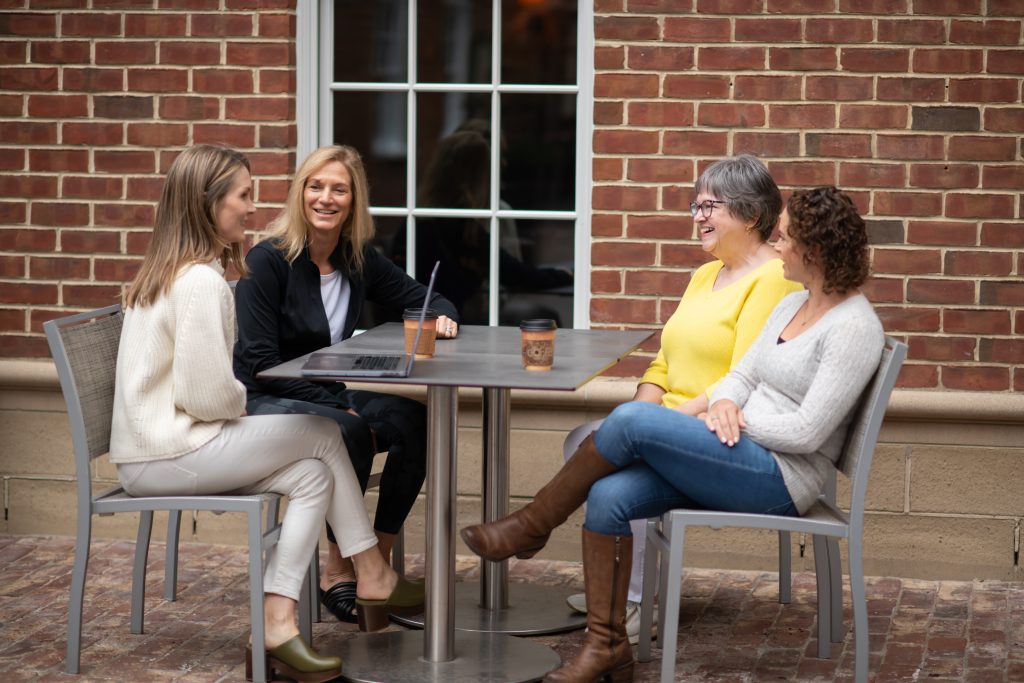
(670, 460)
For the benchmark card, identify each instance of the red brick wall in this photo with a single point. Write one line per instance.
(917, 114)
(94, 105)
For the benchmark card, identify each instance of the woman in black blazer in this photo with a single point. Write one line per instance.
(306, 288)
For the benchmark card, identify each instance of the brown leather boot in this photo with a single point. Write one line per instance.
(525, 531)
(606, 654)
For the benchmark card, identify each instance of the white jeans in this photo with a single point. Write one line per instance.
(638, 526)
(302, 457)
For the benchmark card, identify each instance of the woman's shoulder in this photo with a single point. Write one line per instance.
(790, 302)
(854, 322)
(207, 273)
(708, 270)
(268, 249)
(201, 279)
(860, 310)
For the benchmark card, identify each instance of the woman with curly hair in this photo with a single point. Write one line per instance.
(774, 428)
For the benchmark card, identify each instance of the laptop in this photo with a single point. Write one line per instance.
(350, 364)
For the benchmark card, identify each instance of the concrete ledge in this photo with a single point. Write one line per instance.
(941, 500)
(605, 393)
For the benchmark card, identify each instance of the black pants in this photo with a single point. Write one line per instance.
(400, 427)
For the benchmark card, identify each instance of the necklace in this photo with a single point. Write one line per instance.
(809, 316)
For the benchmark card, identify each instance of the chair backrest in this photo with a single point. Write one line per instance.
(855, 459)
(84, 349)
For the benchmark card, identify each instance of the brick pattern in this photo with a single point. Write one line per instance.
(96, 100)
(916, 113)
(731, 625)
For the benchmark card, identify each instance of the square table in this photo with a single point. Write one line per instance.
(489, 358)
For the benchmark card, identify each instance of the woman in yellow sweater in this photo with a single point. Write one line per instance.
(722, 311)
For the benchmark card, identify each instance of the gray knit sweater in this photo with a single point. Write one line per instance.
(798, 396)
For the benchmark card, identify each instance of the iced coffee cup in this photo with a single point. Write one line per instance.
(538, 337)
(411, 319)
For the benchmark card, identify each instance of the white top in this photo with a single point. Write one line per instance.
(174, 386)
(335, 293)
(798, 396)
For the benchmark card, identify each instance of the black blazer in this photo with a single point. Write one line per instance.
(281, 315)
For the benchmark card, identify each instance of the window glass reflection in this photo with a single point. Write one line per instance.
(538, 42)
(539, 169)
(453, 41)
(374, 123)
(387, 228)
(538, 282)
(439, 115)
(535, 273)
(371, 40)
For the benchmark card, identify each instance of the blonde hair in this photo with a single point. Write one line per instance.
(184, 230)
(290, 230)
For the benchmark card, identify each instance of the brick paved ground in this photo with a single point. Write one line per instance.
(731, 627)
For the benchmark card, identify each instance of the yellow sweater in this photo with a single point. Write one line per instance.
(711, 330)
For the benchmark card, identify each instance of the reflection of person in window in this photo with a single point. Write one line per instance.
(458, 178)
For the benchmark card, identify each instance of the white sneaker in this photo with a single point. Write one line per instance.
(633, 622)
(578, 602)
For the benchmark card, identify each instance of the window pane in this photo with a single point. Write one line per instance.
(454, 41)
(539, 170)
(389, 229)
(535, 266)
(538, 42)
(374, 123)
(453, 162)
(536, 271)
(371, 40)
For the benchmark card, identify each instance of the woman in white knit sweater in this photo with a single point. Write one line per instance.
(774, 427)
(178, 425)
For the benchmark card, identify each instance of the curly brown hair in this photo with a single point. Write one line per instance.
(825, 223)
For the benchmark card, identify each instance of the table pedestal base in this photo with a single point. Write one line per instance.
(532, 611)
(397, 657)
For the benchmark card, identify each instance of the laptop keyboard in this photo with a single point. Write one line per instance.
(377, 362)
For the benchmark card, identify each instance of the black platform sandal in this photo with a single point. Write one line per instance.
(340, 600)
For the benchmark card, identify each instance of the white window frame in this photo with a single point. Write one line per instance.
(314, 120)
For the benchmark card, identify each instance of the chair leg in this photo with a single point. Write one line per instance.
(171, 555)
(139, 570)
(669, 616)
(647, 599)
(307, 598)
(835, 570)
(314, 584)
(82, 540)
(259, 662)
(785, 568)
(398, 553)
(860, 610)
(825, 589)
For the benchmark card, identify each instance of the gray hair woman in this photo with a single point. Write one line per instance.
(726, 303)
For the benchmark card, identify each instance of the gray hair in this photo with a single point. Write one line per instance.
(745, 183)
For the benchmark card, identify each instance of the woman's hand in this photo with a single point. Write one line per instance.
(725, 419)
(446, 327)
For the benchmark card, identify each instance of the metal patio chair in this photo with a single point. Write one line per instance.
(84, 348)
(824, 521)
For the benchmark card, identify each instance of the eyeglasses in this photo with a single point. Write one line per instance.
(705, 207)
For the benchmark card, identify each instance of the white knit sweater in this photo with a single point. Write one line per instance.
(798, 397)
(175, 387)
